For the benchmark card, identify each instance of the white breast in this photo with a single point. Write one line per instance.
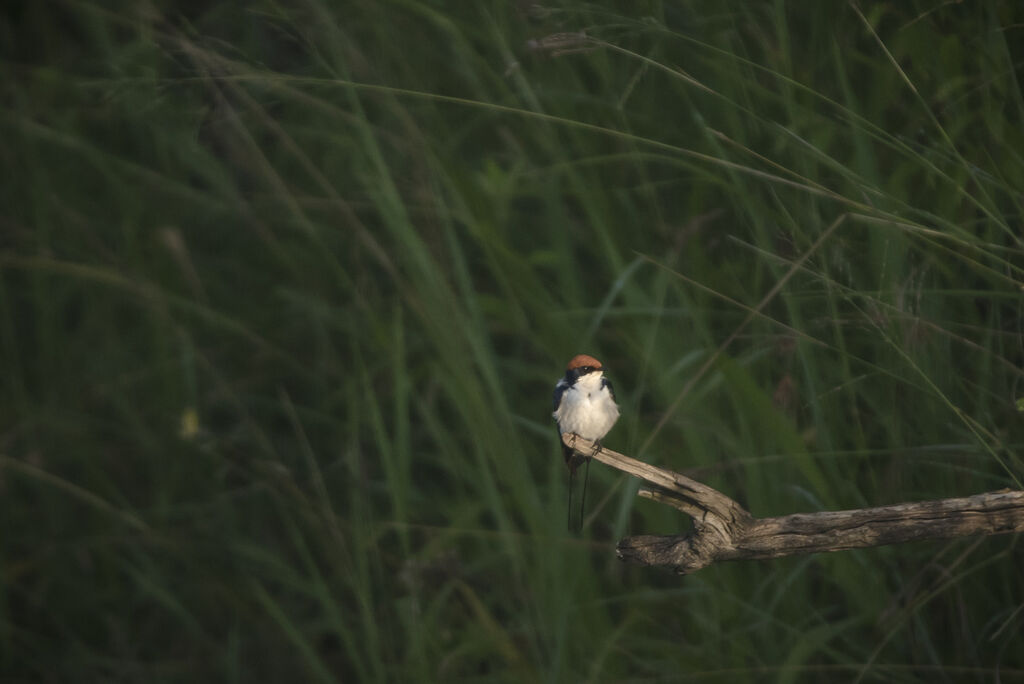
(587, 409)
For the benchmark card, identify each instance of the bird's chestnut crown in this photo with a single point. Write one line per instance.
(581, 364)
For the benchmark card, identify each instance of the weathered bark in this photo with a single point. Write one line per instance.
(724, 530)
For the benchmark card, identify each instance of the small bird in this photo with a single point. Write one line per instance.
(584, 405)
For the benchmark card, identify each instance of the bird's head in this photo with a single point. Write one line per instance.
(581, 365)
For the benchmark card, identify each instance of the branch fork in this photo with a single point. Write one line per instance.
(724, 530)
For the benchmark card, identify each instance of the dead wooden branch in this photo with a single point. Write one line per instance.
(724, 530)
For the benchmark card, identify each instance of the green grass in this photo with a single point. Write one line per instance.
(284, 292)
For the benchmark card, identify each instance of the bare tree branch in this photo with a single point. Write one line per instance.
(724, 530)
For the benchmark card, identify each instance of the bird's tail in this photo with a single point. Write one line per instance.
(573, 461)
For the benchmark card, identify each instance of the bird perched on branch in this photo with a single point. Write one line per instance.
(584, 405)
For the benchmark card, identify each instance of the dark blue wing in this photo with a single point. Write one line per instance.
(605, 382)
(560, 388)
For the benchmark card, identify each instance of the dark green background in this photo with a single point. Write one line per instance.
(285, 288)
